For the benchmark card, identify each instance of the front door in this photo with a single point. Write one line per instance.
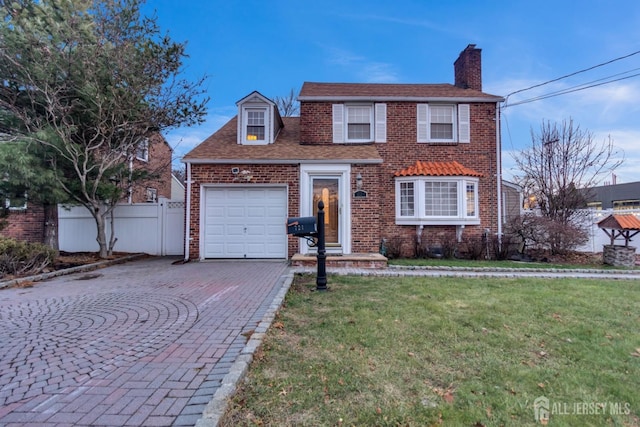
(329, 183)
(327, 190)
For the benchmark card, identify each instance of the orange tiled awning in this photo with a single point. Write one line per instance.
(437, 169)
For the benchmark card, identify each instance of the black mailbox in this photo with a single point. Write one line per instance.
(302, 226)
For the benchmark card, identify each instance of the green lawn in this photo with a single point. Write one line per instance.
(447, 351)
(413, 262)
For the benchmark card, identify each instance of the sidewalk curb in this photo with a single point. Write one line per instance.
(78, 269)
(215, 409)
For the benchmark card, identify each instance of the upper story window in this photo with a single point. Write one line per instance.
(259, 121)
(359, 120)
(437, 200)
(444, 123)
(255, 120)
(142, 151)
(359, 123)
(622, 205)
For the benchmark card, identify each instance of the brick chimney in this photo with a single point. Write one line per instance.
(468, 68)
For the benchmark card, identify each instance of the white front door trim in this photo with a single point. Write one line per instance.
(343, 173)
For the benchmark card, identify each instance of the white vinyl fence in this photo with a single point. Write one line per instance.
(152, 228)
(598, 238)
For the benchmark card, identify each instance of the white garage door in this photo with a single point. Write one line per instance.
(245, 222)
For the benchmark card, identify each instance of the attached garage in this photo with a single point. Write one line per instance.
(244, 222)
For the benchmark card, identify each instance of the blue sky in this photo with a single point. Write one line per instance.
(274, 46)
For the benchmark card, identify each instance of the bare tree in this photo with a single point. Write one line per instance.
(562, 163)
(558, 170)
(288, 105)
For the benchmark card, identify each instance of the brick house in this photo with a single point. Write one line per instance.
(26, 220)
(419, 161)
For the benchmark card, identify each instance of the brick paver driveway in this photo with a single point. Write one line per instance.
(142, 343)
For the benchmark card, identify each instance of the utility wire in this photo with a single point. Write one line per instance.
(574, 73)
(570, 90)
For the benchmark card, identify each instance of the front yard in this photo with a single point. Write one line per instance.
(448, 351)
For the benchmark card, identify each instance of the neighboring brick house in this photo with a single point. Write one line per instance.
(410, 160)
(26, 220)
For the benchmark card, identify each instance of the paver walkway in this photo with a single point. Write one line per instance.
(142, 343)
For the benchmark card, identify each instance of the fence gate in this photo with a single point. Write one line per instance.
(152, 228)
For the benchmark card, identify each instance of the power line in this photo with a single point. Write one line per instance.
(572, 74)
(577, 88)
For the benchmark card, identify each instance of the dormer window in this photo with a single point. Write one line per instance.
(259, 121)
(255, 124)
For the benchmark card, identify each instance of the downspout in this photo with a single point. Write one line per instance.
(499, 170)
(129, 185)
(187, 214)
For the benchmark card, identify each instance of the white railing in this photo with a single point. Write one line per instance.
(152, 228)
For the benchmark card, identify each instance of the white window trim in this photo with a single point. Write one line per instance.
(309, 171)
(143, 147)
(244, 123)
(419, 216)
(152, 195)
(461, 123)
(7, 204)
(377, 123)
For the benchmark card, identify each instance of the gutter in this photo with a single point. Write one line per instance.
(499, 170)
(187, 214)
(212, 161)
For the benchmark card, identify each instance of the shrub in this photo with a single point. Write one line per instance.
(20, 258)
(421, 249)
(564, 238)
(505, 247)
(393, 247)
(449, 248)
(546, 233)
(475, 247)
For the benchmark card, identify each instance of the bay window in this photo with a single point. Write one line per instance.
(437, 200)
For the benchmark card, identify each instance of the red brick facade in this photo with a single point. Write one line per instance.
(309, 140)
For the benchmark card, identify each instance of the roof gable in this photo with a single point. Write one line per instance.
(255, 96)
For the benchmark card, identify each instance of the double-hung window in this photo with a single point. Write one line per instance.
(359, 119)
(437, 200)
(142, 151)
(255, 124)
(359, 123)
(443, 123)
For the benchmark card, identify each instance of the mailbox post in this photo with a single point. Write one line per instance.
(321, 278)
(308, 228)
